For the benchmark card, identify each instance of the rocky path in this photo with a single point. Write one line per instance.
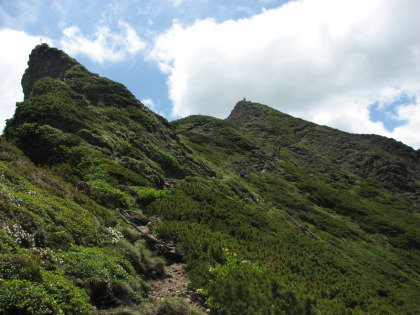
(175, 284)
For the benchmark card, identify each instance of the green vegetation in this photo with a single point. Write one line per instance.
(272, 214)
(59, 250)
(331, 264)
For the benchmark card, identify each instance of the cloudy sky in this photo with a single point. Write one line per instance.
(349, 64)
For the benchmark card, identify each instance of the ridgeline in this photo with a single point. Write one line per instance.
(269, 214)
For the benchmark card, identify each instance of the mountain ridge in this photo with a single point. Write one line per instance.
(286, 133)
(269, 213)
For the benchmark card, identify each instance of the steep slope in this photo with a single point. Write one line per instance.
(60, 252)
(332, 152)
(271, 214)
(69, 241)
(96, 126)
(257, 138)
(351, 200)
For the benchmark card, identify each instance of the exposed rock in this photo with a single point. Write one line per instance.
(46, 62)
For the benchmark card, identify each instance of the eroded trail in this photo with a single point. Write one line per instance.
(174, 281)
(174, 284)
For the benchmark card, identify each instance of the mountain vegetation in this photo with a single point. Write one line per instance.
(269, 213)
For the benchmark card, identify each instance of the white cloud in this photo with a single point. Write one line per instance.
(104, 45)
(17, 46)
(409, 133)
(322, 60)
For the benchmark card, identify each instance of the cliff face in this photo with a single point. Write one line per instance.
(46, 62)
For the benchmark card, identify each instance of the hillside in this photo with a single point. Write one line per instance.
(271, 214)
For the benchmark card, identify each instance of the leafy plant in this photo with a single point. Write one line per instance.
(146, 195)
(106, 194)
(234, 285)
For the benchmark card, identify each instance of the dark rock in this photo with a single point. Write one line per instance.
(46, 62)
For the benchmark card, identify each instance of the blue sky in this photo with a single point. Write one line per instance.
(47, 20)
(350, 64)
(388, 114)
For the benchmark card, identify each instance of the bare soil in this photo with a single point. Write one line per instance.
(175, 284)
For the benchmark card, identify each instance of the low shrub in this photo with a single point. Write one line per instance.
(146, 195)
(101, 272)
(25, 297)
(20, 266)
(54, 295)
(167, 161)
(243, 287)
(124, 147)
(108, 195)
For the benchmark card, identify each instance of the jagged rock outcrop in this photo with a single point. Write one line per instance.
(68, 109)
(46, 62)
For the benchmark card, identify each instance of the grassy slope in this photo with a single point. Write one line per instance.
(97, 134)
(327, 230)
(87, 132)
(59, 249)
(326, 224)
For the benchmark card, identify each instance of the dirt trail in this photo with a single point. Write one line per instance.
(175, 284)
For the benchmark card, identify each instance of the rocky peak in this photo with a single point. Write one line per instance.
(46, 62)
(246, 111)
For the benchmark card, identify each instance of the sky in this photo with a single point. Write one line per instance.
(353, 65)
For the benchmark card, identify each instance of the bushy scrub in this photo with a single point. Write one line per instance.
(100, 91)
(21, 266)
(43, 143)
(146, 195)
(167, 161)
(53, 294)
(42, 217)
(87, 164)
(242, 287)
(25, 297)
(206, 215)
(52, 103)
(7, 243)
(37, 198)
(69, 298)
(108, 195)
(105, 274)
(124, 147)
(322, 221)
